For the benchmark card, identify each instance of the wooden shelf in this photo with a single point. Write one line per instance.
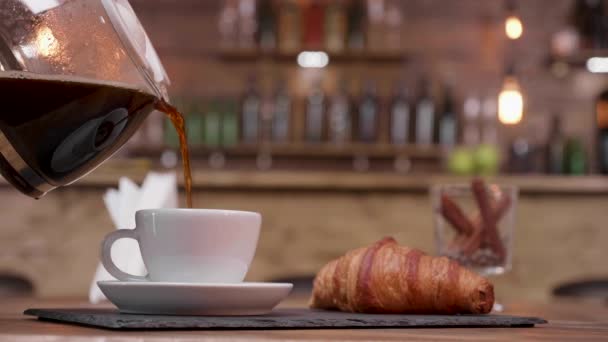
(309, 150)
(110, 172)
(248, 55)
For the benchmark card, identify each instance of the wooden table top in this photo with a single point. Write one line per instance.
(568, 321)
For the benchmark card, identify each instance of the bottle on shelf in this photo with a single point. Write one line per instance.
(213, 124)
(153, 130)
(425, 115)
(194, 123)
(230, 122)
(171, 140)
(250, 112)
(335, 26)
(555, 148)
(375, 33)
(313, 25)
(489, 121)
(228, 24)
(400, 115)
(393, 21)
(281, 125)
(247, 24)
(448, 121)
(520, 156)
(315, 114)
(601, 119)
(266, 118)
(589, 18)
(356, 25)
(575, 157)
(267, 21)
(369, 108)
(339, 115)
(471, 134)
(289, 32)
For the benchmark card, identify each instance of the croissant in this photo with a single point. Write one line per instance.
(388, 278)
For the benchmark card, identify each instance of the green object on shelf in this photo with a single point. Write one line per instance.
(461, 162)
(170, 135)
(212, 125)
(487, 159)
(230, 123)
(575, 159)
(194, 125)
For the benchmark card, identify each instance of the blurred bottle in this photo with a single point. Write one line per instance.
(281, 126)
(356, 25)
(315, 114)
(448, 121)
(575, 157)
(375, 25)
(425, 114)
(471, 135)
(267, 118)
(520, 156)
(313, 25)
(267, 21)
(335, 26)
(601, 119)
(589, 18)
(555, 149)
(340, 123)
(247, 24)
(152, 130)
(289, 26)
(230, 122)
(250, 112)
(369, 108)
(228, 24)
(400, 115)
(393, 21)
(170, 134)
(489, 121)
(194, 123)
(213, 124)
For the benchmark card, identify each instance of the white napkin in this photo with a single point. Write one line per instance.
(159, 190)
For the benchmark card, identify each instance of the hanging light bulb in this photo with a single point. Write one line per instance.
(514, 28)
(510, 101)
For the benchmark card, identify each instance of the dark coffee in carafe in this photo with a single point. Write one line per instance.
(53, 130)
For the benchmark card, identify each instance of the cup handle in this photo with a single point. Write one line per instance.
(106, 255)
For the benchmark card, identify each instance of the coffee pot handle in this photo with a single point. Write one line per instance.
(106, 255)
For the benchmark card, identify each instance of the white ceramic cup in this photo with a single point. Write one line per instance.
(189, 245)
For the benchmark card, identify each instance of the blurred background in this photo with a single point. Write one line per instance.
(333, 119)
(383, 85)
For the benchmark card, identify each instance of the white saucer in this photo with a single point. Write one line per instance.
(216, 299)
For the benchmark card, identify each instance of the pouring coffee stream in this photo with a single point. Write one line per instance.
(178, 122)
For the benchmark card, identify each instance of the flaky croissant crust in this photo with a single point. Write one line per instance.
(388, 278)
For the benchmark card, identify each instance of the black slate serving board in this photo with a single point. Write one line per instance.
(278, 319)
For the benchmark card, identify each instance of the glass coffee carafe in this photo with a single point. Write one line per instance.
(77, 78)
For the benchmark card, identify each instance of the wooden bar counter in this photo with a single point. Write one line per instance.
(568, 321)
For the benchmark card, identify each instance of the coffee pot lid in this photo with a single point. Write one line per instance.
(137, 44)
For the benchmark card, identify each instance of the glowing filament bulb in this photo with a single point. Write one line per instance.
(510, 103)
(514, 27)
